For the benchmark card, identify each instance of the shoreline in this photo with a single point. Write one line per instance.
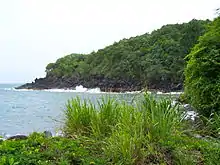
(81, 89)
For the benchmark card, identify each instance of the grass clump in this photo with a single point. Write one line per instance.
(83, 118)
(211, 125)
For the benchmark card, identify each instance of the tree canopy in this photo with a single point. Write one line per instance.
(156, 60)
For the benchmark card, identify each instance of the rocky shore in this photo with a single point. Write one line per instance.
(104, 83)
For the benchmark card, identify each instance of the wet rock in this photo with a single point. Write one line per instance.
(191, 113)
(188, 107)
(106, 84)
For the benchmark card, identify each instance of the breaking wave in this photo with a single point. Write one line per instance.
(81, 89)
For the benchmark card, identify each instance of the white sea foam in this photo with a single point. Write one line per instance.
(95, 90)
(191, 115)
(81, 89)
(133, 92)
(59, 90)
(22, 90)
(172, 93)
(169, 93)
(8, 89)
(78, 89)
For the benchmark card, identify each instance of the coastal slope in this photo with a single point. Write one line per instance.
(153, 60)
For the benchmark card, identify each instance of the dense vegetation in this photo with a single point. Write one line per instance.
(149, 131)
(202, 85)
(146, 131)
(41, 150)
(153, 60)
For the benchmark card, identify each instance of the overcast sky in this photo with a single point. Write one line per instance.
(34, 33)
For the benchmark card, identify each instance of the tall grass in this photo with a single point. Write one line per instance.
(141, 127)
(161, 118)
(78, 117)
(84, 118)
(129, 132)
(107, 116)
(126, 144)
(211, 125)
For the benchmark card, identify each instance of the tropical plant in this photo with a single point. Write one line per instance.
(202, 84)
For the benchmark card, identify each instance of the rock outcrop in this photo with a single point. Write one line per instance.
(104, 83)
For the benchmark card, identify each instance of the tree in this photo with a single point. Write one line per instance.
(202, 83)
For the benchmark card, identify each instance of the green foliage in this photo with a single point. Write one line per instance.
(193, 151)
(155, 60)
(126, 129)
(202, 84)
(212, 125)
(182, 98)
(65, 66)
(78, 117)
(162, 119)
(39, 150)
(83, 118)
(148, 131)
(141, 128)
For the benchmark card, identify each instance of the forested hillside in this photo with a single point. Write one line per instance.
(154, 60)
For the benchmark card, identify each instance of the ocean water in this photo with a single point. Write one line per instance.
(25, 111)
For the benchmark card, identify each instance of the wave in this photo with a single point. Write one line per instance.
(78, 89)
(168, 93)
(81, 89)
(21, 90)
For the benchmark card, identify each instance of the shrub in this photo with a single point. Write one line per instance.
(39, 150)
(202, 74)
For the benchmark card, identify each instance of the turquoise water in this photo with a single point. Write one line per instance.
(22, 112)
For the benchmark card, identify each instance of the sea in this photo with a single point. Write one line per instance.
(26, 111)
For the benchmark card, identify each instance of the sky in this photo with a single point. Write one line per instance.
(34, 33)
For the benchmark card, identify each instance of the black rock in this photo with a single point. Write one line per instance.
(106, 84)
